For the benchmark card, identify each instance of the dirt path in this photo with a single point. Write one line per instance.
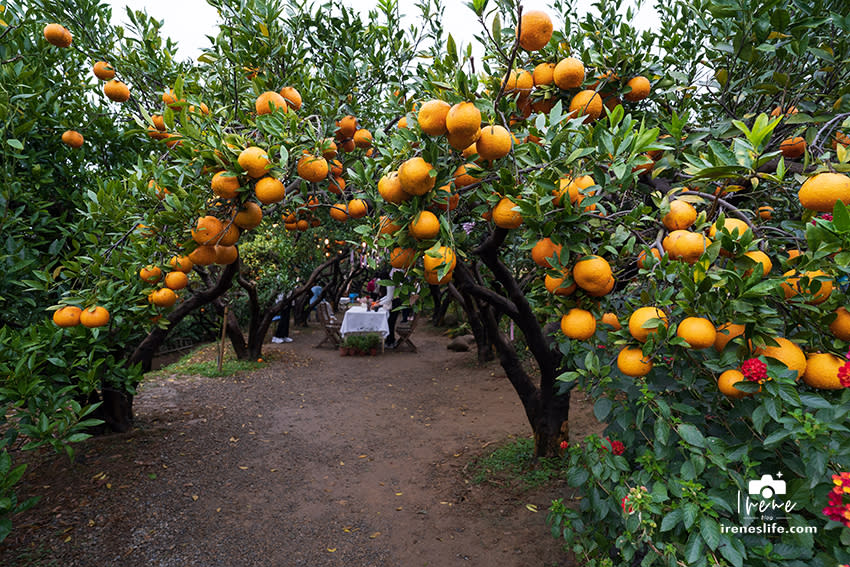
(317, 460)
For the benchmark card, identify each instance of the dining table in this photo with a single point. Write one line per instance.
(359, 319)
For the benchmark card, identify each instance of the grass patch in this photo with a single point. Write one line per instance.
(513, 463)
(203, 361)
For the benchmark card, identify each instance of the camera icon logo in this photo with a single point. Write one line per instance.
(767, 487)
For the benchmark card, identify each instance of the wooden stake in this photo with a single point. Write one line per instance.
(223, 335)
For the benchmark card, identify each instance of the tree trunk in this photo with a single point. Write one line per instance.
(476, 324)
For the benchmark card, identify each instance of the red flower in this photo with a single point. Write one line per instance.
(755, 370)
(616, 447)
(844, 374)
(564, 445)
(837, 510)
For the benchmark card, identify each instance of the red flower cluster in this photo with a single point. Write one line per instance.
(844, 374)
(825, 216)
(837, 510)
(564, 445)
(616, 447)
(754, 370)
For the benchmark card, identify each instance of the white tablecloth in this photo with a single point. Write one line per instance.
(359, 320)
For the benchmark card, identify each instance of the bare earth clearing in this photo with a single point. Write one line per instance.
(316, 460)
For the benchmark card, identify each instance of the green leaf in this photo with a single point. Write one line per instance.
(15, 143)
(671, 520)
(602, 408)
(840, 217)
(691, 435)
(710, 531)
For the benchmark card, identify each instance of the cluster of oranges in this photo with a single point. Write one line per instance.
(175, 280)
(71, 316)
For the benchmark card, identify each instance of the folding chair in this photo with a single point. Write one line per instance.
(329, 324)
(403, 330)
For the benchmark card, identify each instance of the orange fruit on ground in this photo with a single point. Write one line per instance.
(519, 81)
(116, 91)
(759, 257)
(568, 73)
(268, 102)
(642, 258)
(95, 316)
(631, 362)
(415, 176)
(593, 274)
(346, 127)
(163, 297)
(787, 353)
(840, 327)
(203, 255)
(822, 191)
(822, 371)
(765, 212)
(639, 318)
(225, 255)
(312, 168)
(726, 384)
(424, 226)
(339, 212)
(444, 255)
(103, 71)
(578, 324)
(612, 320)
(329, 150)
(573, 187)
(402, 258)
(390, 189)
(467, 174)
(225, 185)
(555, 285)
(698, 332)
(640, 89)
(463, 120)
(432, 117)
(543, 250)
(67, 316)
(150, 274)
(292, 97)
(682, 215)
(493, 143)
(181, 263)
(535, 30)
(792, 285)
(176, 280)
(57, 35)
(726, 333)
(255, 161)
(269, 190)
(363, 138)
(357, 208)
(586, 103)
(793, 148)
(504, 216)
(249, 216)
(543, 74)
(72, 138)
(207, 230)
(445, 200)
(230, 236)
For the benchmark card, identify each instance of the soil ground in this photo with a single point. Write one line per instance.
(314, 460)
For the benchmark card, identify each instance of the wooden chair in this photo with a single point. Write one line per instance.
(404, 329)
(329, 324)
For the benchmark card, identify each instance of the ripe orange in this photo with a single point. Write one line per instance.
(586, 103)
(164, 297)
(822, 191)
(726, 384)
(67, 316)
(176, 280)
(415, 176)
(840, 138)
(759, 257)
(225, 255)
(230, 235)
(433, 277)
(255, 161)
(640, 89)
(765, 212)
(730, 225)
(268, 102)
(787, 353)
(792, 285)
(387, 226)
(631, 362)
(103, 71)
(535, 30)
(402, 258)
(543, 250)
(642, 258)
(269, 190)
(519, 81)
(698, 332)
(463, 120)
(840, 327)
(578, 324)
(95, 316)
(822, 371)
(685, 245)
(292, 97)
(424, 226)
(181, 263)
(150, 274)
(116, 91)
(543, 74)
(402, 122)
(72, 138)
(682, 215)
(207, 230)
(444, 255)
(555, 285)
(612, 320)
(225, 185)
(432, 117)
(573, 187)
(346, 127)
(57, 35)
(640, 317)
(336, 185)
(445, 200)
(339, 212)
(329, 150)
(726, 333)
(493, 143)
(791, 110)
(357, 208)
(203, 255)
(504, 216)
(249, 216)
(568, 73)
(390, 189)
(312, 168)
(793, 148)
(593, 274)
(363, 138)
(467, 174)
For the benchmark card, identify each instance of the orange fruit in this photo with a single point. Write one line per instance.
(578, 324)
(176, 280)
(726, 384)
(57, 35)
(461, 141)
(573, 186)
(255, 161)
(67, 316)
(433, 277)
(642, 260)
(612, 320)
(445, 200)
(164, 297)
(336, 185)
(759, 257)
(72, 138)
(730, 225)
(685, 245)
(432, 117)
(792, 285)
(203, 255)
(632, 362)
(387, 226)
(363, 138)
(682, 215)
(339, 212)
(390, 189)
(640, 317)
(543, 74)
(822, 191)
(463, 121)
(415, 176)
(230, 236)
(467, 174)
(519, 81)
(402, 122)
(822, 371)
(329, 150)
(346, 127)
(116, 91)
(95, 316)
(207, 230)
(225, 185)
(150, 274)
(555, 285)
(726, 333)
(535, 30)
(181, 263)
(568, 73)
(312, 168)
(292, 97)
(593, 274)
(787, 353)
(170, 99)
(640, 89)
(543, 250)
(586, 103)
(493, 143)
(357, 208)
(268, 102)
(249, 216)
(225, 255)
(402, 258)
(779, 112)
(302, 225)
(793, 148)
(103, 71)
(269, 190)
(765, 212)
(444, 255)
(698, 332)
(424, 226)
(840, 326)
(504, 216)
(840, 138)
